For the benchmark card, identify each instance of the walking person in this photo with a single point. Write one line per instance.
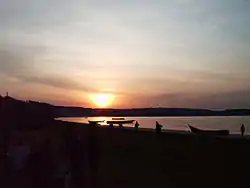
(120, 126)
(137, 125)
(158, 127)
(242, 129)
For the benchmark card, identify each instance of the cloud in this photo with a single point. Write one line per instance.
(233, 99)
(55, 81)
(11, 63)
(20, 67)
(19, 59)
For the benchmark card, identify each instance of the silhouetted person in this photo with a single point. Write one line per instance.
(137, 125)
(158, 127)
(120, 126)
(111, 125)
(242, 129)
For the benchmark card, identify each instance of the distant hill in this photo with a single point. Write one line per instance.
(18, 114)
(80, 112)
(38, 110)
(62, 111)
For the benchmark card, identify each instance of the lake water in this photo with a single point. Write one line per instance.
(232, 123)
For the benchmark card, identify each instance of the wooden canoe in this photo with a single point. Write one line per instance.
(209, 132)
(121, 122)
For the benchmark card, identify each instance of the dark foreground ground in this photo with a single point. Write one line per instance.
(106, 157)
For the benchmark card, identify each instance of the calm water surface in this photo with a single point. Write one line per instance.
(179, 123)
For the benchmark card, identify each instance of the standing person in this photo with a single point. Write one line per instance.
(242, 129)
(158, 127)
(120, 126)
(137, 125)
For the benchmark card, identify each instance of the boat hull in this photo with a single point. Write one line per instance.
(95, 122)
(121, 122)
(118, 119)
(209, 132)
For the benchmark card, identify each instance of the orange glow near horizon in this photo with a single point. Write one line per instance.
(102, 100)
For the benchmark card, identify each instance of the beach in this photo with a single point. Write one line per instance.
(129, 158)
(175, 159)
(179, 123)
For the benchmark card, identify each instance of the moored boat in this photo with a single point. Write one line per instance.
(121, 122)
(118, 119)
(209, 132)
(95, 122)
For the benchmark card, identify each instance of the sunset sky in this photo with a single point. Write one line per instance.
(173, 53)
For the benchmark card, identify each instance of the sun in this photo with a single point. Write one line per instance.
(102, 100)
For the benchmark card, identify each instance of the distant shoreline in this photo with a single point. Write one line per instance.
(71, 111)
(152, 116)
(146, 112)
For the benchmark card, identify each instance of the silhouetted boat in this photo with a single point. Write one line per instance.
(209, 132)
(118, 118)
(95, 122)
(121, 122)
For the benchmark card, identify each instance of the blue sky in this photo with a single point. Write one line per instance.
(186, 53)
